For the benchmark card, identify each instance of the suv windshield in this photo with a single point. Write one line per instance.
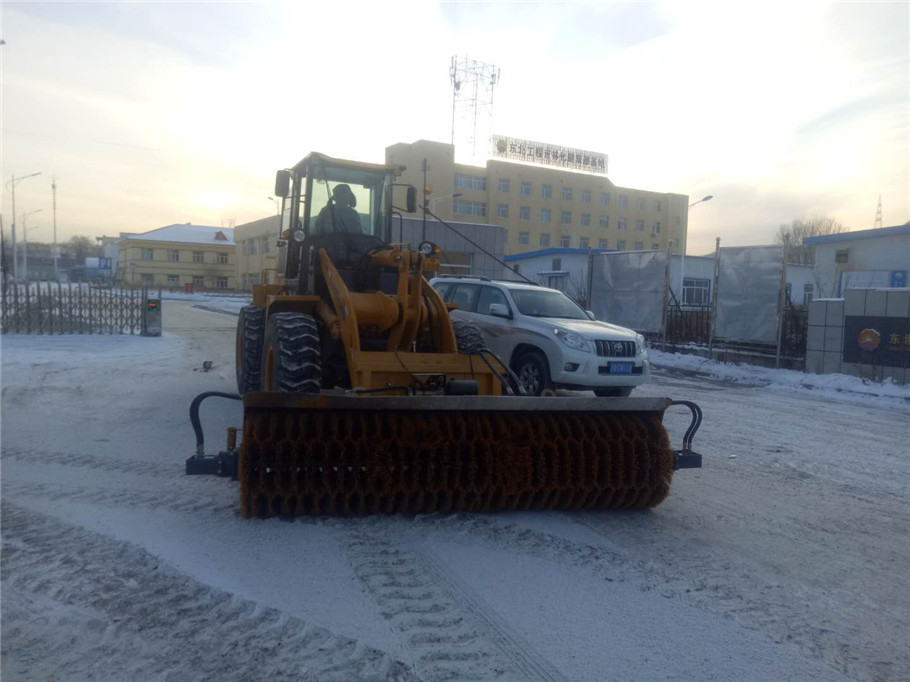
(537, 303)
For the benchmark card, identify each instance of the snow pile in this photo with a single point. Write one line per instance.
(222, 303)
(752, 375)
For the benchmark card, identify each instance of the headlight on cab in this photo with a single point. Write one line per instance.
(575, 341)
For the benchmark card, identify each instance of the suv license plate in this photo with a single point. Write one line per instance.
(620, 368)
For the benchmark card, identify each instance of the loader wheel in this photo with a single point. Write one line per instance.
(292, 359)
(468, 337)
(617, 392)
(249, 349)
(533, 374)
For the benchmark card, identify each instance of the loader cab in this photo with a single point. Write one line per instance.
(341, 206)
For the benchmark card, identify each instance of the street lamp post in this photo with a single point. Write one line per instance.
(436, 199)
(11, 185)
(277, 205)
(25, 229)
(682, 255)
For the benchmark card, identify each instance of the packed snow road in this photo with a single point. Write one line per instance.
(784, 558)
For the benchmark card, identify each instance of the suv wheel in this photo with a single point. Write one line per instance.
(618, 392)
(532, 372)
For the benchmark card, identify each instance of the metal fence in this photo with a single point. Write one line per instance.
(55, 308)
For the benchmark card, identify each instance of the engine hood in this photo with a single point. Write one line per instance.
(592, 329)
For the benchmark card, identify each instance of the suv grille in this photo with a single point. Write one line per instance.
(615, 349)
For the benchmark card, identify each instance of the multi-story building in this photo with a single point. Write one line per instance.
(256, 251)
(542, 206)
(177, 255)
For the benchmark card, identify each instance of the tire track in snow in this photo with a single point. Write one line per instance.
(448, 635)
(135, 618)
(96, 462)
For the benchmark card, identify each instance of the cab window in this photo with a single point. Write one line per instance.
(443, 288)
(465, 295)
(490, 295)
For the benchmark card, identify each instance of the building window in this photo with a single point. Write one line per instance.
(641, 204)
(586, 196)
(173, 280)
(222, 259)
(254, 278)
(639, 225)
(621, 245)
(544, 238)
(503, 211)
(266, 244)
(623, 201)
(503, 184)
(524, 238)
(842, 256)
(546, 191)
(808, 294)
(655, 228)
(544, 215)
(639, 246)
(475, 208)
(470, 181)
(565, 241)
(252, 247)
(584, 243)
(605, 199)
(222, 282)
(567, 193)
(524, 213)
(585, 219)
(526, 189)
(173, 255)
(621, 225)
(148, 254)
(658, 205)
(696, 291)
(198, 256)
(566, 218)
(655, 245)
(602, 244)
(148, 278)
(556, 264)
(604, 221)
(198, 282)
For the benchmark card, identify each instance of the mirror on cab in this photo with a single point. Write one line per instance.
(500, 310)
(591, 315)
(412, 199)
(282, 183)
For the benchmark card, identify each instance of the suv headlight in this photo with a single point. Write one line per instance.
(575, 341)
(640, 344)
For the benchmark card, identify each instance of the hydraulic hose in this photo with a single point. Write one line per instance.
(194, 415)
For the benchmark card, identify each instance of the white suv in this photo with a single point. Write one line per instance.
(546, 338)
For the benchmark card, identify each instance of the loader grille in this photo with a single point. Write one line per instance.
(312, 461)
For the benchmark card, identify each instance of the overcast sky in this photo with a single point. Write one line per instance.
(157, 113)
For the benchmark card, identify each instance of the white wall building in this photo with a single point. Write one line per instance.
(862, 259)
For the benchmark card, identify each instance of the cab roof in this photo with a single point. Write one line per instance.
(312, 157)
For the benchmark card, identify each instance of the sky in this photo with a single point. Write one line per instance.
(149, 114)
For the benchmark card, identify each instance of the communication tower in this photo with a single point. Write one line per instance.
(878, 214)
(473, 83)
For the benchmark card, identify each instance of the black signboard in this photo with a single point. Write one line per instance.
(883, 341)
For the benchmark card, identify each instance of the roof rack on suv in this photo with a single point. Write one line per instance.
(480, 277)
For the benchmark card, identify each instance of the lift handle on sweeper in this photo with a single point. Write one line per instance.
(686, 458)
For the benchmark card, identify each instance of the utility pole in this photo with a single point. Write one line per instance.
(12, 188)
(424, 167)
(54, 191)
(878, 214)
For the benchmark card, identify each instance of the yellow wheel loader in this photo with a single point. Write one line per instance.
(361, 396)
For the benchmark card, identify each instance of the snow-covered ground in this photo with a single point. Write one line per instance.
(784, 558)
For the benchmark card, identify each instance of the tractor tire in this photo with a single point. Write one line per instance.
(468, 337)
(249, 349)
(292, 357)
(533, 374)
(617, 392)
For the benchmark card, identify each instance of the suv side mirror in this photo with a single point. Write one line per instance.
(591, 315)
(500, 310)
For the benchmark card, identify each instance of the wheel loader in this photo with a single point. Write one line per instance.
(361, 396)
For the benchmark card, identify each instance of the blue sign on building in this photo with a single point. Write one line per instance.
(898, 279)
(104, 263)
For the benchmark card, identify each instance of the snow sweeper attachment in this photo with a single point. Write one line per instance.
(348, 455)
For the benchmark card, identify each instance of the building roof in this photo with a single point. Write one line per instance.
(553, 250)
(858, 234)
(189, 234)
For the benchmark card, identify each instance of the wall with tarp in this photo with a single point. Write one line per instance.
(748, 291)
(629, 288)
